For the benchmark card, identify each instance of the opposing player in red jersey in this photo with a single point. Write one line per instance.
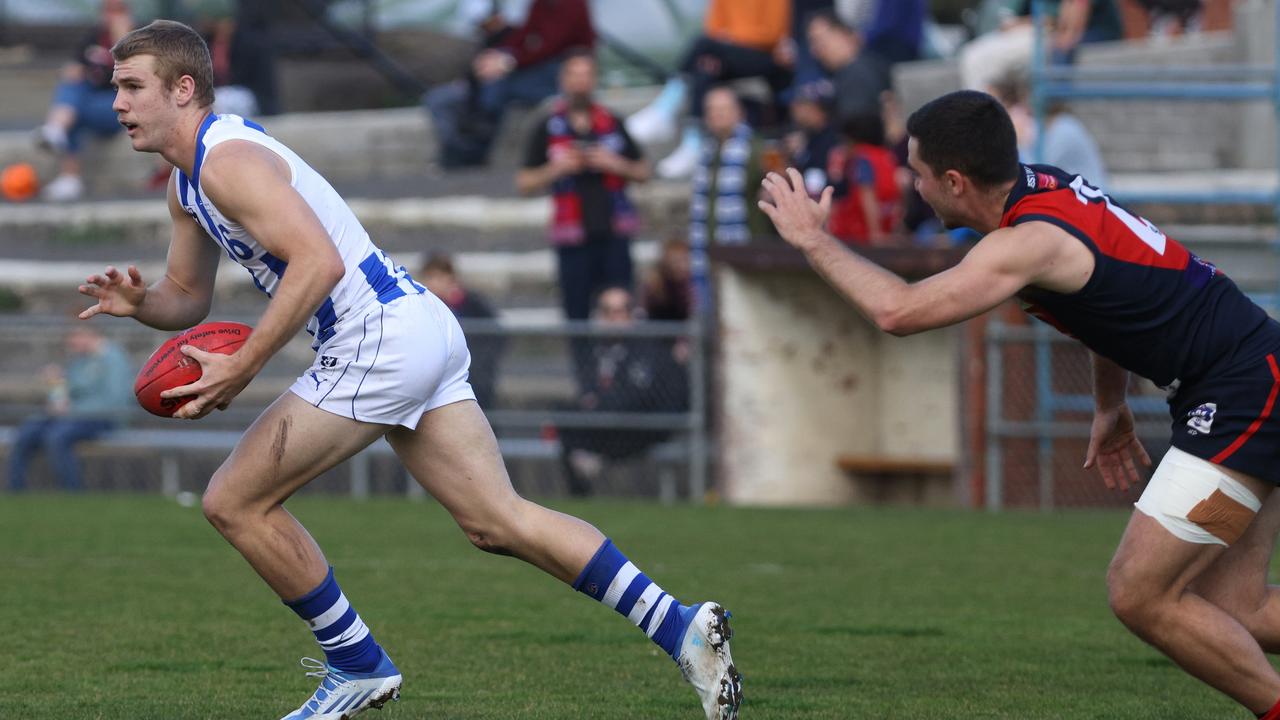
(1190, 574)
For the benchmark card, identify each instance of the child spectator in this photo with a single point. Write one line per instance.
(868, 201)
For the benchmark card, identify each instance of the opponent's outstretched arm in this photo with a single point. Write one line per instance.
(1003, 263)
(176, 301)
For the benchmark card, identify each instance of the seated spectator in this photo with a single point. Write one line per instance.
(668, 286)
(87, 397)
(896, 29)
(806, 68)
(918, 219)
(1004, 48)
(740, 39)
(1064, 141)
(629, 374)
(517, 65)
(486, 348)
(867, 205)
(810, 144)
(82, 101)
(230, 94)
(858, 74)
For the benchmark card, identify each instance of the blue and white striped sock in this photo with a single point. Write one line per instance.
(611, 579)
(347, 643)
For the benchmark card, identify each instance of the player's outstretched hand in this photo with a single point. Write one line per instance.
(117, 294)
(222, 377)
(1113, 446)
(797, 217)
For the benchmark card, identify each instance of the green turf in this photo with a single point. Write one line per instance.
(132, 607)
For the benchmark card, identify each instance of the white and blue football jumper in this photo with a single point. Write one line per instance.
(386, 349)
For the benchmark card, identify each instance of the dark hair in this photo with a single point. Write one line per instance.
(178, 51)
(966, 131)
(865, 127)
(578, 52)
(830, 18)
(438, 262)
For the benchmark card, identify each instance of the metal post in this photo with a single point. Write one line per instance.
(1039, 103)
(1044, 414)
(1275, 105)
(995, 398)
(697, 410)
(169, 474)
(360, 476)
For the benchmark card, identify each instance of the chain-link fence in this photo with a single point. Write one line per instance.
(1039, 409)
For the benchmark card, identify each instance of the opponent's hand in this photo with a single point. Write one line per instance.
(1113, 445)
(796, 216)
(117, 294)
(222, 377)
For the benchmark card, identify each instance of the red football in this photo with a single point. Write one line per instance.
(168, 368)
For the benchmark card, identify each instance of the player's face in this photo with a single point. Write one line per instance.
(143, 105)
(930, 186)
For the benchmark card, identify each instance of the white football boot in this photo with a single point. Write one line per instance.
(706, 663)
(343, 695)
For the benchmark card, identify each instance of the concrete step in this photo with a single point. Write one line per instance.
(521, 282)
(347, 147)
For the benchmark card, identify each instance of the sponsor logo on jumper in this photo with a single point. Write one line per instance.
(328, 361)
(1200, 420)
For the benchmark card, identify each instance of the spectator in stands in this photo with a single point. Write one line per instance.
(723, 209)
(740, 39)
(896, 29)
(867, 205)
(1063, 142)
(584, 156)
(87, 397)
(515, 65)
(918, 219)
(858, 74)
(486, 347)
(810, 143)
(231, 94)
(629, 374)
(668, 286)
(82, 101)
(806, 68)
(1004, 48)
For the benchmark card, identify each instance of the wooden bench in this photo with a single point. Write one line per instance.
(886, 479)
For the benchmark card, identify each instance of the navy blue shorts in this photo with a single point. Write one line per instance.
(1231, 419)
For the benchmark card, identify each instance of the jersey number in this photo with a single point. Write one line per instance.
(1139, 226)
(236, 250)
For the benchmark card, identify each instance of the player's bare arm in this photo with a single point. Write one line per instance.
(176, 301)
(1004, 262)
(1113, 443)
(252, 186)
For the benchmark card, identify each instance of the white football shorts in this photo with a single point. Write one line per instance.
(391, 363)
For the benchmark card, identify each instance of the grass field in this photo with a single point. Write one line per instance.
(132, 607)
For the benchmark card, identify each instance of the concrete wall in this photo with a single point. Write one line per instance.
(804, 379)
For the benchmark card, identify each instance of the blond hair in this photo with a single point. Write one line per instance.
(178, 51)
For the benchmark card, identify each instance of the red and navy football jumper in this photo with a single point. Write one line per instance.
(1159, 311)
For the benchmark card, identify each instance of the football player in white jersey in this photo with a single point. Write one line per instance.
(391, 362)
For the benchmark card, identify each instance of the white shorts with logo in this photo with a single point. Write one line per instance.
(390, 363)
